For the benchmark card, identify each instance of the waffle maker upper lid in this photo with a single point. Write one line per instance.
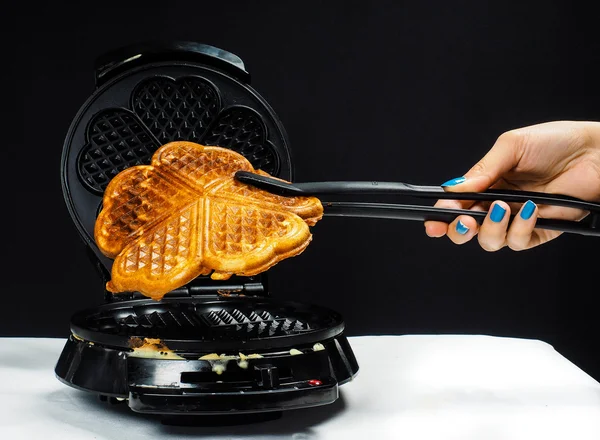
(150, 94)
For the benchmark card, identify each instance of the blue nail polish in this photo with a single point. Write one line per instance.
(497, 213)
(454, 181)
(528, 210)
(461, 228)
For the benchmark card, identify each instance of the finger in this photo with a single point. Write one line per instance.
(561, 213)
(500, 159)
(493, 230)
(541, 236)
(462, 229)
(480, 206)
(439, 229)
(521, 234)
(435, 229)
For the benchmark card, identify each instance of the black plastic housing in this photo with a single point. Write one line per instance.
(147, 95)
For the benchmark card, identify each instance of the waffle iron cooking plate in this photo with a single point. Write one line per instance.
(145, 96)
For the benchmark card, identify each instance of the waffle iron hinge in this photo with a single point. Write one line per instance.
(119, 60)
(202, 286)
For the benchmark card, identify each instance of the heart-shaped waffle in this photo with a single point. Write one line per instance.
(185, 215)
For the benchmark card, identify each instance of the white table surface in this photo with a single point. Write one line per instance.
(408, 387)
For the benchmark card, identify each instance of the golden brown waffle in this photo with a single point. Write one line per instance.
(185, 215)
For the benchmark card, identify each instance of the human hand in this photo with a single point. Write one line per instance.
(561, 157)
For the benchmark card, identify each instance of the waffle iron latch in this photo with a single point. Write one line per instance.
(268, 376)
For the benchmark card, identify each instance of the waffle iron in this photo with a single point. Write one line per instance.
(279, 355)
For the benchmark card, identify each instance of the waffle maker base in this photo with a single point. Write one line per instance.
(303, 355)
(223, 349)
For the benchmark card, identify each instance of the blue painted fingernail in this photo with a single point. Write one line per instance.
(497, 213)
(528, 210)
(454, 181)
(461, 228)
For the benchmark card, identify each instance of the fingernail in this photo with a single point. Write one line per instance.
(528, 210)
(461, 228)
(497, 213)
(454, 181)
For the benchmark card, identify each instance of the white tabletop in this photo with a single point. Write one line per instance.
(409, 387)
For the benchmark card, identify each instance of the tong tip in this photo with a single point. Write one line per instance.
(266, 183)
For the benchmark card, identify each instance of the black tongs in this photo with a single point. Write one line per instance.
(589, 226)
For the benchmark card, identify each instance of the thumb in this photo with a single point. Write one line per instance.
(502, 157)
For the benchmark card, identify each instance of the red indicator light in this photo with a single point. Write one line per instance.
(315, 382)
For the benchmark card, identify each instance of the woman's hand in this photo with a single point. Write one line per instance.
(555, 157)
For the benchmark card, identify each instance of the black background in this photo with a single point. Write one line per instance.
(382, 90)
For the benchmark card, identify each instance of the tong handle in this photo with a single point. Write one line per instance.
(423, 213)
(399, 188)
(590, 226)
